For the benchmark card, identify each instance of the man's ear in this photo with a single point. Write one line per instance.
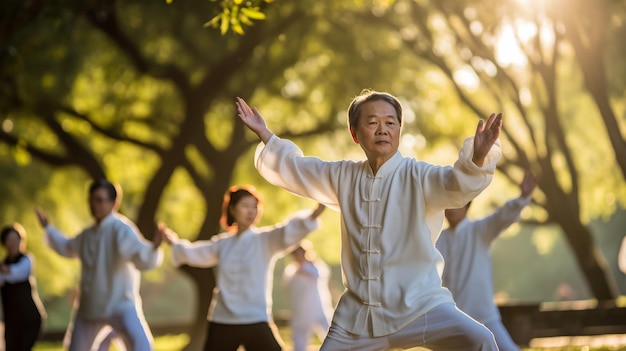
(353, 133)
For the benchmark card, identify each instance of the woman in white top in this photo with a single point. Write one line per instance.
(243, 257)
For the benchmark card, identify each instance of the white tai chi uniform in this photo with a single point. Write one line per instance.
(389, 223)
(311, 303)
(112, 254)
(468, 271)
(244, 267)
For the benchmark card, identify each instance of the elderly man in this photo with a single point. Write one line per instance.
(392, 212)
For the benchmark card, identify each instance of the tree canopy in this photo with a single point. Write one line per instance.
(143, 93)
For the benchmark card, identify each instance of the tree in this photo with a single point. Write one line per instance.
(463, 39)
(588, 29)
(141, 92)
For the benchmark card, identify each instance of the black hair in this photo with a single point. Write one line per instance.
(232, 197)
(15, 227)
(354, 111)
(104, 184)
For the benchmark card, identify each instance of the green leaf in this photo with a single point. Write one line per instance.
(213, 22)
(237, 28)
(253, 13)
(245, 20)
(225, 23)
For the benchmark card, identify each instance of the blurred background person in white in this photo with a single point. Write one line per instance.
(113, 253)
(307, 278)
(468, 271)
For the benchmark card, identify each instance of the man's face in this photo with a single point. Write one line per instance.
(378, 130)
(100, 204)
(12, 243)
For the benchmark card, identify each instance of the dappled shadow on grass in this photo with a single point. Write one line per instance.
(161, 343)
(613, 342)
(595, 343)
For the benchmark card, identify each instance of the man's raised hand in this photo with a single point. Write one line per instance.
(486, 135)
(253, 119)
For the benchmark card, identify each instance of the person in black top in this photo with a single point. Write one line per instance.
(23, 310)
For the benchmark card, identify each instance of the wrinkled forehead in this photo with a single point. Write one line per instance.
(378, 108)
(358, 104)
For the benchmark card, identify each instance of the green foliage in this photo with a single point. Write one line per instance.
(144, 93)
(233, 15)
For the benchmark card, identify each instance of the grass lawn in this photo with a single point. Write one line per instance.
(176, 343)
(162, 343)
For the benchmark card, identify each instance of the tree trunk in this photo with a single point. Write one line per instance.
(204, 282)
(591, 261)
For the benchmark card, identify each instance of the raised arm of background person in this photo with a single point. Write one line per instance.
(317, 212)
(133, 247)
(201, 253)
(55, 239)
(490, 227)
(205, 253)
(157, 239)
(528, 184)
(288, 233)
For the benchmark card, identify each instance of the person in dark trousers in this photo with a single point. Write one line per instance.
(244, 258)
(23, 311)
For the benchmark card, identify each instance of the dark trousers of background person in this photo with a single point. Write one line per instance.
(22, 318)
(20, 335)
(228, 337)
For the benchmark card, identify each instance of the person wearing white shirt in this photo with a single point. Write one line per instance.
(306, 278)
(391, 214)
(244, 257)
(468, 271)
(112, 253)
(23, 310)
